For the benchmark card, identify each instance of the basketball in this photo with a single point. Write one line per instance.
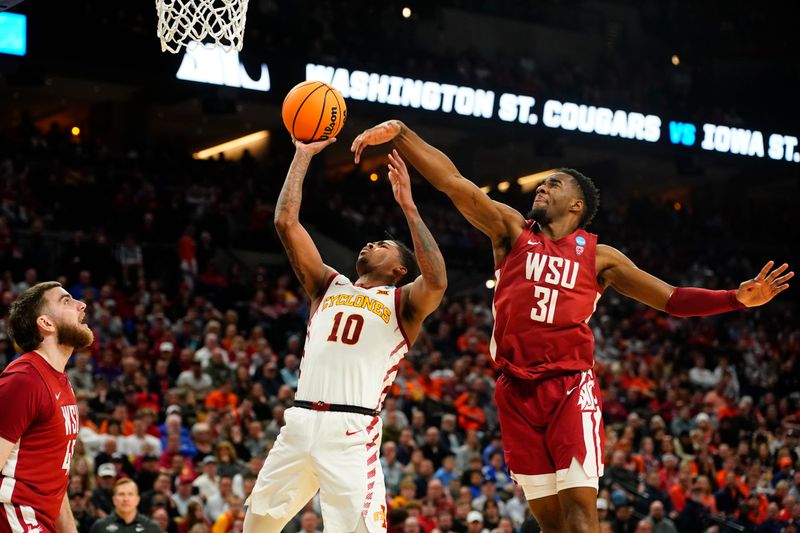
(313, 111)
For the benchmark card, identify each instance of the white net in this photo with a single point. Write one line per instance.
(210, 23)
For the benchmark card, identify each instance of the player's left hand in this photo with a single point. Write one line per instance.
(400, 180)
(765, 286)
(382, 133)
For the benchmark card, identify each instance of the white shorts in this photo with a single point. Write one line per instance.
(335, 453)
(543, 485)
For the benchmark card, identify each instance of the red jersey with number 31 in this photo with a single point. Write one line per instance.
(545, 293)
(40, 415)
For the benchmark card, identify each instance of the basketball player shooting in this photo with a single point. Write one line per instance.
(550, 273)
(357, 335)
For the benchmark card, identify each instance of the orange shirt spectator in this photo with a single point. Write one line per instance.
(226, 520)
(470, 414)
(126, 427)
(678, 494)
(222, 398)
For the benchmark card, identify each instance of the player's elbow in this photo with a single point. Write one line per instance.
(283, 223)
(438, 287)
(437, 283)
(452, 184)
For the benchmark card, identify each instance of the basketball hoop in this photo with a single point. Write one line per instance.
(210, 23)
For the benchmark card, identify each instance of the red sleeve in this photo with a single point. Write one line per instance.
(691, 301)
(23, 388)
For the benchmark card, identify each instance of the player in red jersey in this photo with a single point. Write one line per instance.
(550, 273)
(39, 424)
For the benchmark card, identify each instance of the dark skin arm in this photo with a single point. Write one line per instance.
(301, 250)
(499, 222)
(616, 270)
(503, 224)
(421, 297)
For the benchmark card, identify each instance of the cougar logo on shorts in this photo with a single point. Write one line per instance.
(586, 400)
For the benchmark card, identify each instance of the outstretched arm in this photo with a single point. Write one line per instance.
(616, 270)
(302, 252)
(423, 295)
(500, 224)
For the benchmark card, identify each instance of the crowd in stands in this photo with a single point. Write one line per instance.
(196, 355)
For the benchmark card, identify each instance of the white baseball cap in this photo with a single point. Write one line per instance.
(107, 469)
(474, 516)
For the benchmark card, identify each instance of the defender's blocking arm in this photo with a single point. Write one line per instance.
(476, 206)
(617, 270)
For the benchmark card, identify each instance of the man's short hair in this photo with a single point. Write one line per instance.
(591, 195)
(23, 313)
(124, 481)
(408, 260)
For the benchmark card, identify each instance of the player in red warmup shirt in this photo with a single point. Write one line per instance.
(39, 421)
(550, 274)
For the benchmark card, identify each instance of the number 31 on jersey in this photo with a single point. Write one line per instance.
(546, 299)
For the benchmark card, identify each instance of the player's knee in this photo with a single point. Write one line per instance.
(549, 522)
(579, 519)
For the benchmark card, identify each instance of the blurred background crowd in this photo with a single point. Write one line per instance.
(197, 355)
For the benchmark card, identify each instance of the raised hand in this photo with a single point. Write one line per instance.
(312, 149)
(383, 132)
(401, 182)
(764, 287)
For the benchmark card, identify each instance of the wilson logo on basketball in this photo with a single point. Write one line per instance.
(331, 127)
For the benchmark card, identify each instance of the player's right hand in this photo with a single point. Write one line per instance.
(765, 286)
(383, 132)
(401, 182)
(314, 148)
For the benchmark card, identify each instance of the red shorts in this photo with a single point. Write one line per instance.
(546, 423)
(15, 518)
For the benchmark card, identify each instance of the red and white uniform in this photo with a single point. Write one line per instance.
(40, 415)
(353, 350)
(549, 410)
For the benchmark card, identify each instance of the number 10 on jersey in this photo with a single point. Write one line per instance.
(351, 330)
(545, 309)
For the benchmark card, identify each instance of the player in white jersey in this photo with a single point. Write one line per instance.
(357, 335)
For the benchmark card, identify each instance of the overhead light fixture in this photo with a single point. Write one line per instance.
(487, 189)
(503, 186)
(231, 145)
(531, 181)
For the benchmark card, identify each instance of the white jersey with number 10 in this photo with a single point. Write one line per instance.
(354, 345)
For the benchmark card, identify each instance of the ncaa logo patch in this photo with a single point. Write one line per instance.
(580, 242)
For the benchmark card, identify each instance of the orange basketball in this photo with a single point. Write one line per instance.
(313, 111)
